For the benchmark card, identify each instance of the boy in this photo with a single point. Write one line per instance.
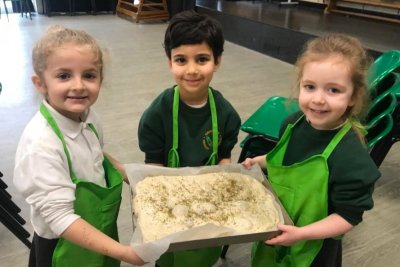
(190, 124)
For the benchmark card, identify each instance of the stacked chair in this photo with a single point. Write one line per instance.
(9, 216)
(383, 118)
(263, 126)
(382, 122)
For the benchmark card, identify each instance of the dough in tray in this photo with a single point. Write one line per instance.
(168, 204)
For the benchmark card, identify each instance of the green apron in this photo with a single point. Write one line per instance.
(199, 257)
(97, 205)
(173, 155)
(303, 190)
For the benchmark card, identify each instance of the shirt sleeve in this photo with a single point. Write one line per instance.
(42, 176)
(151, 137)
(230, 137)
(353, 178)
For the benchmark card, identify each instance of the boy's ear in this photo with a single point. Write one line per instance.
(216, 66)
(169, 64)
(39, 84)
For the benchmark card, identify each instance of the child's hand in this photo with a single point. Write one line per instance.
(131, 256)
(260, 160)
(247, 163)
(289, 236)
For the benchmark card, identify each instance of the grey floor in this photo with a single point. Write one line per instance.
(137, 72)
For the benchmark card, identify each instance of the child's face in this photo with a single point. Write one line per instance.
(326, 92)
(71, 81)
(193, 67)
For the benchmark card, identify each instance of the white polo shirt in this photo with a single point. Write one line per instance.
(42, 174)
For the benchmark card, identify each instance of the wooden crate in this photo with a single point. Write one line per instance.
(143, 9)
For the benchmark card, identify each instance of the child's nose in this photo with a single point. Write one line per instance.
(191, 68)
(318, 97)
(77, 84)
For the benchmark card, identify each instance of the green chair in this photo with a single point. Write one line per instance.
(382, 135)
(386, 63)
(268, 118)
(379, 130)
(388, 85)
(381, 106)
(383, 126)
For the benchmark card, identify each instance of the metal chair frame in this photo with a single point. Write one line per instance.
(9, 216)
(22, 4)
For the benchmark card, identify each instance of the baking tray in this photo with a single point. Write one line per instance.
(136, 172)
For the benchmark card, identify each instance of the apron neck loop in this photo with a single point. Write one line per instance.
(46, 114)
(336, 139)
(173, 155)
(214, 155)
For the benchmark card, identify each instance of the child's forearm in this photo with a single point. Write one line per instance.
(260, 160)
(85, 235)
(331, 226)
(224, 161)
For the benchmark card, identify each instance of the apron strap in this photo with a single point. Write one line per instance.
(336, 139)
(282, 140)
(214, 155)
(331, 146)
(94, 129)
(46, 114)
(173, 155)
(49, 118)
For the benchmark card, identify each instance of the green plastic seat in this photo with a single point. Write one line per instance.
(381, 106)
(395, 88)
(388, 85)
(379, 130)
(386, 63)
(380, 122)
(268, 118)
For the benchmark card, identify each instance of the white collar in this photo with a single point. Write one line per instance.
(67, 126)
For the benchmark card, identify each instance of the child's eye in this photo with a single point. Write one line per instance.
(203, 59)
(180, 60)
(90, 75)
(308, 87)
(334, 90)
(63, 76)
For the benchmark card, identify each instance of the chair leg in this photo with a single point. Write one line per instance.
(224, 251)
(93, 7)
(28, 10)
(20, 8)
(9, 221)
(5, 7)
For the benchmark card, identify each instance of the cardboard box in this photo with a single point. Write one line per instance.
(136, 172)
